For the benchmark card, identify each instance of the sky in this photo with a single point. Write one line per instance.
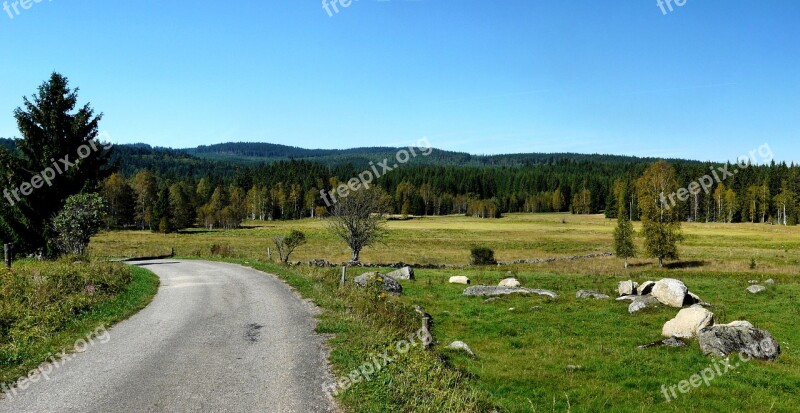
(709, 80)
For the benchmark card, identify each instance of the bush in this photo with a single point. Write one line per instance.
(82, 217)
(286, 244)
(482, 256)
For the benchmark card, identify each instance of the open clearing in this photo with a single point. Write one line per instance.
(524, 355)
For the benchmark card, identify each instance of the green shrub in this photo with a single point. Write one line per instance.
(482, 256)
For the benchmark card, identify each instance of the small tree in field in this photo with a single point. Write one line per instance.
(661, 224)
(82, 216)
(358, 219)
(623, 233)
(286, 244)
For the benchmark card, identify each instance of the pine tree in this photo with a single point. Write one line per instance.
(661, 226)
(624, 233)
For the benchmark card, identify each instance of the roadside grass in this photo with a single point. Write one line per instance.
(46, 306)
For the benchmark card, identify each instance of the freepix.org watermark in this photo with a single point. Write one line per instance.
(59, 167)
(365, 179)
(365, 372)
(332, 6)
(666, 5)
(13, 8)
(718, 175)
(55, 362)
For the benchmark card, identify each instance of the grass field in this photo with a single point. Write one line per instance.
(526, 345)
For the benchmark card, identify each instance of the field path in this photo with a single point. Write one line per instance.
(217, 338)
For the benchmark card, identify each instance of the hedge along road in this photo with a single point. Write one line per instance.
(216, 338)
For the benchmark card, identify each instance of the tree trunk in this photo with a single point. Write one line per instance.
(626, 263)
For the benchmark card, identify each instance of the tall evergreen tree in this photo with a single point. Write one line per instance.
(661, 226)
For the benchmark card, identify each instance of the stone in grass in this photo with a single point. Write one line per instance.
(627, 288)
(755, 289)
(769, 281)
(388, 284)
(459, 279)
(405, 273)
(738, 337)
(688, 322)
(640, 303)
(461, 346)
(627, 298)
(510, 283)
(670, 292)
(489, 291)
(668, 342)
(591, 294)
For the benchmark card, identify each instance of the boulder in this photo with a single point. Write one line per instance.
(388, 284)
(670, 292)
(509, 282)
(646, 288)
(489, 291)
(640, 303)
(755, 289)
(459, 279)
(591, 294)
(627, 288)
(738, 337)
(769, 281)
(627, 298)
(405, 273)
(688, 322)
(461, 346)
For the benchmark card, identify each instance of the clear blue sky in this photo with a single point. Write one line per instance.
(711, 80)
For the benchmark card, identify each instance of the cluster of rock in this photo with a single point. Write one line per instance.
(669, 292)
(695, 321)
(755, 288)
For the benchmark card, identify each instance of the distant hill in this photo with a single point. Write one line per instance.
(254, 153)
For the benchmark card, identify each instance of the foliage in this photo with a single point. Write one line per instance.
(286, 244)
(60, 140)
(482, 256)
(358, 219)
(661, 226)
(82, 217)
(624, 234)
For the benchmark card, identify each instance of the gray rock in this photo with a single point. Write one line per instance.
(769, 281)
(627, 288)
(388, 284)
(405, 273)
(691, 299)
(627, 298)
(725, 339)
(646, 288)
(591, 294)
(489, 291)
(670, 292)
(755, 289)
(640, 303)
(461, 346)
(669, 342)
(752, 282)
